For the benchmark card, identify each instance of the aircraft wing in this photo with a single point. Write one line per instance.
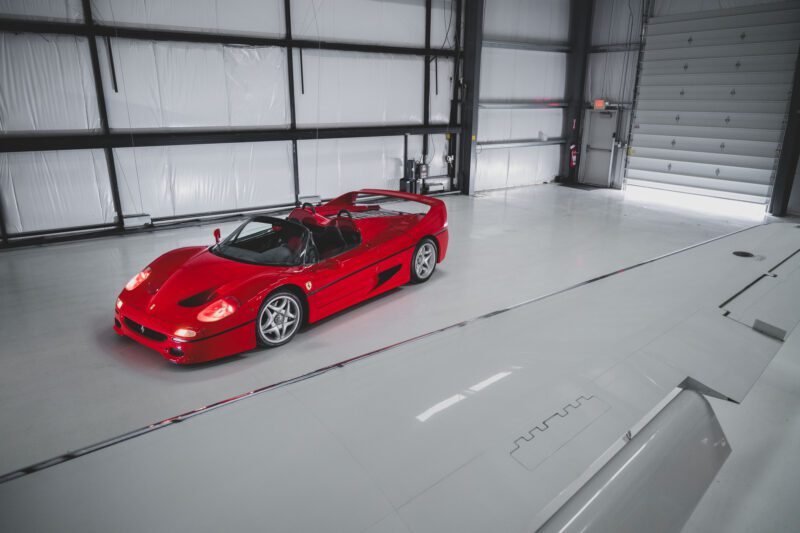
(579, 410)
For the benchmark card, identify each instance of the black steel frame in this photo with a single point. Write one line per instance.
(469, 87)
(107, 140)
(790, 151)
(580, 37)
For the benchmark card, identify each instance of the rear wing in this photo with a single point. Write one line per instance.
(438, 210)
(351, 197)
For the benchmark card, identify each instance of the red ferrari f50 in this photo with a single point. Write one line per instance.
(271, 275)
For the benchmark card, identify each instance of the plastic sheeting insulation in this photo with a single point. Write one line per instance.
(359, 88)
(61, 10)
(501, 168)
(526, 20)
(329, 167)
(397, 23)
(46, 84)
(522, 74)
(259, 17)
(55, 189)
(510, 124)
(166, 181)
(611, 76)
(175, 84)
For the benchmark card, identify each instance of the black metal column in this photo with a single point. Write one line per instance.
(470, 90)
(101, 107)
(580, 39)
(452, 140)
(3, 230)
(293, 120)
(426, 96)
(790, 150)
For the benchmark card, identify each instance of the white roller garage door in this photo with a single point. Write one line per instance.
(713, 93)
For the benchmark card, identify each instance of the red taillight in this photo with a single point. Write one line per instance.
(218, 310)
(138, 279)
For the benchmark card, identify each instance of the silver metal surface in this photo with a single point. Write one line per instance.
(656, 480)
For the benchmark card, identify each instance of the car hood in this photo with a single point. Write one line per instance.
(185, 280)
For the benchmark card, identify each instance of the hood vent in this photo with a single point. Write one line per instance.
(198, 299)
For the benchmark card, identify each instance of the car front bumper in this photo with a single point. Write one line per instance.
(155, 334)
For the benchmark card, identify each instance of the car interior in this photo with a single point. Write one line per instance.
(331, 239)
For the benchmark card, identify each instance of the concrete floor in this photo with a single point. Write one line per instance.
(67, 381)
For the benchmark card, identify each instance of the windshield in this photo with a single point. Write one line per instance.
(265, 241)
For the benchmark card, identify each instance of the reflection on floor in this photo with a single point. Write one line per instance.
(67, 381)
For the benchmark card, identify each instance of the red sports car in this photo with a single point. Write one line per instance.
(272, 275)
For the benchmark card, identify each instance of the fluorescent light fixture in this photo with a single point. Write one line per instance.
(441, 406)
(488, 381)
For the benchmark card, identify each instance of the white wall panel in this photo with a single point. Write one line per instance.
(167, 181)
(527, 20)
(42, 9)
(357, 88)
(440, 103)
(263, 17)
(330, 167)
(443, 23)
(169, 84)
(499, 168)
(46, 83)
(508, 124)
(611, 76)
(55, 189)
(616, 21)
(370, 21)
(522, 74)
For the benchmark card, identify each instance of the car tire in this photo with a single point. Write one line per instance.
(279, 318)
(423, 262)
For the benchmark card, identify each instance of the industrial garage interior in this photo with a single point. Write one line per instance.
(517, 265)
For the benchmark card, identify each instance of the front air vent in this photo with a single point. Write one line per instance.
(144, 331)
(198, 299)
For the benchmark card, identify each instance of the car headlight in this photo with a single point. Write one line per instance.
(218, 309)
(138, 279)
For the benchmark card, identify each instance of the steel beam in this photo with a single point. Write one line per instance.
(102, 111)
(287, 10)
(517, 143)
(27, 143)
(521, 104)
(580, 37)
(616, 47)
(537, 46)
(790, 150)
(426, 96)
(152, 34)
(470, 90)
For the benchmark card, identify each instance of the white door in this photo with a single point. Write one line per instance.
(597, 142)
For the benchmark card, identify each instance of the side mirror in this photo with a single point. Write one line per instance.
(217, 235)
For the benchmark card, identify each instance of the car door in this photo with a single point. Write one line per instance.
(342, 280)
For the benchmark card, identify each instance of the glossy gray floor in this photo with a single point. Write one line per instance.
(66, 381)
